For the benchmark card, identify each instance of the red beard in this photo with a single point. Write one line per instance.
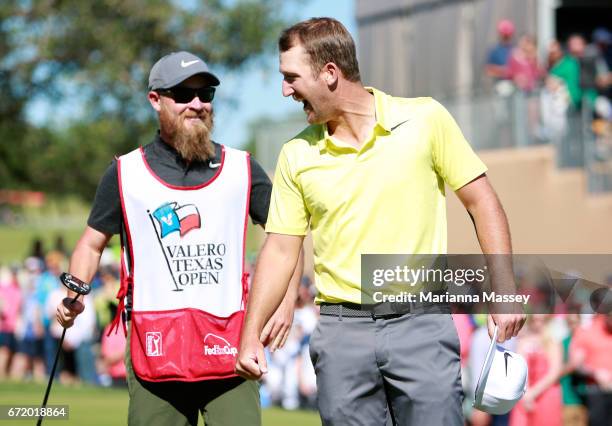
(192, 141)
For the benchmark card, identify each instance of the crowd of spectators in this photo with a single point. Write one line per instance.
(29, 333)
(570, 367)
(574, 74)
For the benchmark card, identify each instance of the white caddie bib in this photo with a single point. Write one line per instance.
(186, 246)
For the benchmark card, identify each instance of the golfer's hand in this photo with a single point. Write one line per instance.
(277, 329)
(67, 311)
(251, 362)
(508, 325)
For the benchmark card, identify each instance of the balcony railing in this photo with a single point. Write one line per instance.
(516, 119)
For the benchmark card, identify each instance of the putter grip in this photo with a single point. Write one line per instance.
(75, 284)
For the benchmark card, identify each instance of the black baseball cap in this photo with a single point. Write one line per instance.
(177, 67)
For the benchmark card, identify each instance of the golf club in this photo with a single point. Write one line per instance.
(81, 289)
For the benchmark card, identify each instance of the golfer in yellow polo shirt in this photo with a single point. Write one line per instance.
(367, 176)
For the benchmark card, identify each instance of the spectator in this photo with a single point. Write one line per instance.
(601, 54)
(603, 39)
(112, 351)
(306, 317)
(555, 98)
(523, 68)
(500, 54)
(541, 404)
(29, 330)
(465, 327)
(105, 300)
(77, 351)
(287, 368)
(60, 245)
(593, 71)
(590, 350)
(10, 305)
(307, 379)
(46, 283)
(574, 412)
(38, 250)
(555, 54)
(567, 68)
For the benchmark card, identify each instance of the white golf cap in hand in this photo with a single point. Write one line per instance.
(502, 381)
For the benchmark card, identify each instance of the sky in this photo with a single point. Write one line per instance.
(258, 90)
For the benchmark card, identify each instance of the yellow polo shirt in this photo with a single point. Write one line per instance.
(386, 197)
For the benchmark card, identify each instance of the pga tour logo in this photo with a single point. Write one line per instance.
(218, 346)
(154, 343)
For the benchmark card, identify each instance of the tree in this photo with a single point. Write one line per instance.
(98, 54)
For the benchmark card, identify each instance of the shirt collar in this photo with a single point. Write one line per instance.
(382, 127)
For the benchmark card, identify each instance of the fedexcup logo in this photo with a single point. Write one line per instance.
(217, 346)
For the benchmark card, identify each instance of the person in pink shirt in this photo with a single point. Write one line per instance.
(541, 405)
(465, 328)
(112, 350)
(523, 68)
(10, 306)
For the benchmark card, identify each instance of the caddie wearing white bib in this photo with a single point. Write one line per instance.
(181, 205)
(187, 269)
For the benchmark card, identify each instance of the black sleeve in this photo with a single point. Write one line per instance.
(261, 189)
(105, 215)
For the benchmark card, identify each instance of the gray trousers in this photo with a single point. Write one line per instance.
(376, 372)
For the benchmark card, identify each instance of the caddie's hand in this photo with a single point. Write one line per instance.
(278, 327)
(251, 361)
(508, 324)
(67, 311)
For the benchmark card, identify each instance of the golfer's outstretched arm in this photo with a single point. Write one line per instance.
(277, 329)
(275, 266)
(487, 213)
(83, 265)
(493, 232)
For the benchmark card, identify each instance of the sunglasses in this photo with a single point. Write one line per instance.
(184, 95)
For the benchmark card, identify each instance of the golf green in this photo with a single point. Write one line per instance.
(102, 406)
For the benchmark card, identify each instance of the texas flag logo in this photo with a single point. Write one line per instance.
(174, 218)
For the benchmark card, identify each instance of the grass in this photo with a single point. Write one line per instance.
(17, 242)
(64, 217)
(103, 407)
(55, 219)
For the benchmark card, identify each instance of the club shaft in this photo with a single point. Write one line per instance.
(52, 375)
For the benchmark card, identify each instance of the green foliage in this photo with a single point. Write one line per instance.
(97, 55)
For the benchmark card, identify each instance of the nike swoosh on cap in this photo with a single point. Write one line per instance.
(189, 63)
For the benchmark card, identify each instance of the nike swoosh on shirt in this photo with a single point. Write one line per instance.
(213, 165)
(399, 124)
(189, 63)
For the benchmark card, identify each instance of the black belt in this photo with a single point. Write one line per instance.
(381, 310)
